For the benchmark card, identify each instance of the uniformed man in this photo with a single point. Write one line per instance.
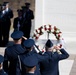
(11, 54)
(0, 8)
(23, 8)
(2, 72)
(30, 63)
(18, 21)
(7, 25)
(30, 51)
(28, 17)
(5, 16)
(51, 67)
(2, 24)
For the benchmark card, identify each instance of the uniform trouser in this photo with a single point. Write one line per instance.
(26, 30)
(0, 35)
(5, 34)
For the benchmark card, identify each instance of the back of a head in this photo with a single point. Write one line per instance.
(28, 43)
(49, 43)
(17, 35)
(27, 4)
(20, 12)
(6, 4)
(30, 61)
(3, 6)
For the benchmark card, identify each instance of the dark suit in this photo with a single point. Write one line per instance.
(27, 24)
(11, 56)
(5, 26)
(15, 23)
(2, 26)
(3, 73)
(9, 15)
(51, 67)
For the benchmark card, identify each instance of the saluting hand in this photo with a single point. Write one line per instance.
(24, 37)
(57, 47)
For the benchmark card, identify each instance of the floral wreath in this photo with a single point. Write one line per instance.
(49, 29)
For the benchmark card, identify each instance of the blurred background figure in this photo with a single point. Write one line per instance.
(18, 21)
(0, 8)
(2, 25)
(5, 17)
(28, 16)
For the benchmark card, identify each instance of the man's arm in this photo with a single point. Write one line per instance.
(42, 57)
(63, 54)
(5, 63)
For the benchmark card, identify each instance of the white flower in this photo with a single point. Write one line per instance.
(38, 31)
(52, 29)
(57, 31)
(43, 30)
(35, 32)
(46, 28)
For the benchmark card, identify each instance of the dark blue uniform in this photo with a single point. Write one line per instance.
(11, 56)
(18, 21)
(39, 57)
(5, 20)
(2, 72)
(28, 16)
(29, 61)
(51, 67)
(29, 43)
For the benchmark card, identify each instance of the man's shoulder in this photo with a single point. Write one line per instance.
(9, 48)
(30, 10)
(10, 10)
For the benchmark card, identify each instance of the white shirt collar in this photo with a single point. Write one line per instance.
(6, 9)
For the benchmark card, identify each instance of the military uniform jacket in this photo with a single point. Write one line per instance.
(3, 73)
(9, 15)
(6, 16)
(39, 57)
(5, 21)
(11, 55)
(28, 16)
(51, 67)
(27, 23)
(15, 23)
(27, 19)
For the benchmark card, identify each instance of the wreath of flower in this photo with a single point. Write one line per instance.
(49, 29)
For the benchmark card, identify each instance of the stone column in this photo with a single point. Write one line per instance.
(38, 13)
(59, 13)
